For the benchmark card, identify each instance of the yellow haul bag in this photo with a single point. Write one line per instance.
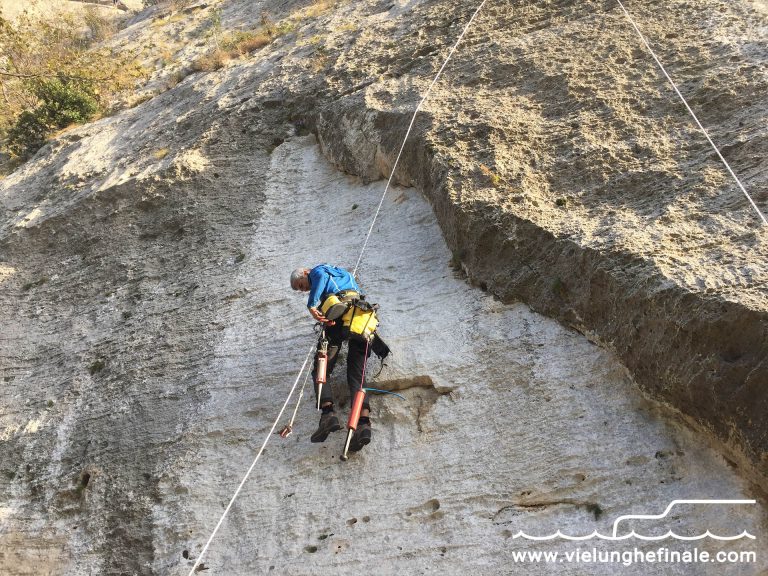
(357, 316)
(360, 320)
(334, 307)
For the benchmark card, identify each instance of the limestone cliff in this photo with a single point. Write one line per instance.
(552, 183)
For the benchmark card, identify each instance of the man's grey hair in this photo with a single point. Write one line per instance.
(297, 274)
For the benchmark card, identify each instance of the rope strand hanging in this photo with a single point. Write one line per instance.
(408, 132)
(359, 259)
(693, 114)
(253, 465)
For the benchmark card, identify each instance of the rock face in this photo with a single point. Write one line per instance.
(56, 8)
(149, 339)
(569, 178)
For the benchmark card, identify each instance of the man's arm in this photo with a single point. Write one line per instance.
(318, 280)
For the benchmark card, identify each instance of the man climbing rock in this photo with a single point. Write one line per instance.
(334, 291)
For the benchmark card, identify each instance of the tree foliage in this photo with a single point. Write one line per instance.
(53, 73)
(61, 101)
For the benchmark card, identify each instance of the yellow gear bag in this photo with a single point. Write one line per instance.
(358, 317)
(361, 320)
(335, 305)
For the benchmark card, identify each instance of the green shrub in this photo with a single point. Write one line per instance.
(27, 135)
(63, 101)
(53, 75)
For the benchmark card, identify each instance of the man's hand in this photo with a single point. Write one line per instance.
(317, 315)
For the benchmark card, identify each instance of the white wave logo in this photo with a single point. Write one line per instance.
(633, 534)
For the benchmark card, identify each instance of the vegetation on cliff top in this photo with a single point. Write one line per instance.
(62, 71)
(54, 73)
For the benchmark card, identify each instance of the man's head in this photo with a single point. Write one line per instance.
(300, 279)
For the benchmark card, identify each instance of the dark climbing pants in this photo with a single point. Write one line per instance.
(355, 362)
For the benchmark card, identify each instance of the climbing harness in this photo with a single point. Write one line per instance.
(335, 305)
(358, 317)
(360, 321)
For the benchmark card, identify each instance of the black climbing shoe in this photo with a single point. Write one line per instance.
(328, 423)
(361, 437)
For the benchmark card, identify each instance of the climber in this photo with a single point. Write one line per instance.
(333, 291)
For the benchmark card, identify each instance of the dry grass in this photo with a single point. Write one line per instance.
(100, 27)
(252, 44)
(319, 7)
(348, 27)
(318, 62)
(212, 61)
(241, 43)
(166, 54)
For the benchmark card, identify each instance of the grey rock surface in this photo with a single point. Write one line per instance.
(565, 173)
(510, 423)
(149, 338)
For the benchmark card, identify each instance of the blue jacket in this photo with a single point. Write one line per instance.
(325, 279)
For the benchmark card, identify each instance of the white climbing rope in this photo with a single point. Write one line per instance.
(248, 473)
(408, 132)
(309, 354)
(301, 395)
(402, 147)
(647, 45)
